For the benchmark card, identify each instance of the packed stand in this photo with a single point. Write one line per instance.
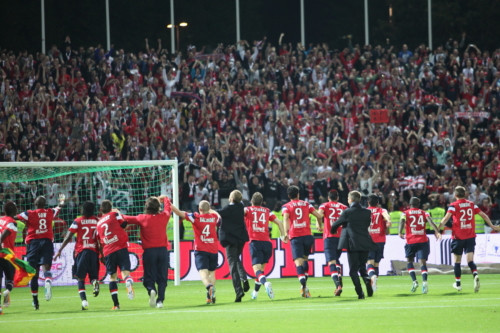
(262, 116)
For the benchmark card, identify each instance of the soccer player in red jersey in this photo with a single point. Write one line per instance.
(331, 211)
(39, 239)
(417, 242)
(298, 229)
(8, 232)
(114, 250)
(153, 228)
(257, 220)
(463, 234)
(379, 227)
(86, 251)
(206, 251)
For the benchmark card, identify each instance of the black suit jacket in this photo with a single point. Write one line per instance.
(232, 230)
(355, 222)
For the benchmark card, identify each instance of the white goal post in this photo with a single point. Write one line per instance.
(116, 164)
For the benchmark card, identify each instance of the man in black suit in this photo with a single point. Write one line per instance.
(233, 235)
(355, 222)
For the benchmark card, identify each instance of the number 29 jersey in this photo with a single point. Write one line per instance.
(39, 223)
(464, 224)
(86, 238)
(300, 223)
(205, 231)
(415, 225)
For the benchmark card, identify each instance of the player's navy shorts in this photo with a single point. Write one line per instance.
(302, 246)
(206, 260)
(461, 246)
(87, 262)
(7, 269)
(260, 251)
(40, 252)
(118, 259)
(419, 250)
(378, 254)
(331, 251)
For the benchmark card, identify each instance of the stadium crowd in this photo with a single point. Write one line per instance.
(260, 116)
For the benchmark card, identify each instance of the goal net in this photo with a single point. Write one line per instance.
(127, 184)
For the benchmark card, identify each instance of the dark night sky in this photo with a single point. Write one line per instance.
(211, 22)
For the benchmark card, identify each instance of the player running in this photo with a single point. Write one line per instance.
(331, 211)
(379, 227)
(8, 232)
(417, 242)
(205, 244)
(40, 247)
(114, 250)
(86, 251)
(463, 234)
(298, 228)
(257, 220)
(153, 228)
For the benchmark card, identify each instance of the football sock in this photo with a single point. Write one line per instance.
(423, 269)
(371, 270)
(306, 269)
(334, 274)
(113, 289)
(208, 287)
(339, 269)
(411, 270)
(261, 277)
(81, 290)
(9, 285)
(473, 268)
(257, 285)
(376, 271)
(48, 275)
(301, 275)
(129, 279)
(458, 273)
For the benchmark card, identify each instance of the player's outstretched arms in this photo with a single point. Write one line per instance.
(436, 230)
(486, 219)
(62, 199)
(65, 242)
(178, 212)
(444, 220)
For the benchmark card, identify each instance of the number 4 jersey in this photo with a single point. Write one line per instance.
(205, 231)
(300, 223)
(257, 221)
(464, 225)
(39, 223)
(415, 225)
(86, 238)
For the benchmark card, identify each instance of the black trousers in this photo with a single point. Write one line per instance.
(233, 253)
(156, 262)
(357, 263)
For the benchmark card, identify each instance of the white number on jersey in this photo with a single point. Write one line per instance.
(86, 231)
(414, 221)
(467, 215)
(43, 224)
(206, 231)
(106, 232)
(298, 212)
(262, 218)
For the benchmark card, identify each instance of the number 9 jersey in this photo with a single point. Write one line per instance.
(39, 223)
(300, 222)
(464, 225)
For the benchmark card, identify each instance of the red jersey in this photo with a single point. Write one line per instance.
(377, 226)
(300, 223)
(153, 227)
(331, 212)
(415, 225)
(205, 231)
(111, 234)
(86, 238)
(464, 224)
(8, 223)
(257, 220)
(39, 223)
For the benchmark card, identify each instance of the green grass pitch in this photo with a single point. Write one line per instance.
(392, 309)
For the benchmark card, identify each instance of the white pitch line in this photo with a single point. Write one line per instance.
(311, 307)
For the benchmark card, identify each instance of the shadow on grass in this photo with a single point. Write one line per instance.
(406, 295)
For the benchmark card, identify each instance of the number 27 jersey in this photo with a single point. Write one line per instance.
(300, 223)
(86, 238)
(464, 224)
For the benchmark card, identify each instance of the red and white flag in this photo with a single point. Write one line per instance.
(412, 183)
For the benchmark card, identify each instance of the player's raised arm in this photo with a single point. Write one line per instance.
(444, 220)
(178, 212)
(402, 224)
(433, 225)
(486, 219)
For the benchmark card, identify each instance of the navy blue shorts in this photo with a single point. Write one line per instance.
(419, 250)
(260, 251)
(7, 269)
(461, 246)
(302, 246)
(40, 252)
(331, 251)
(118, 259)
(378, 254)
(87, 262)
(206, 260)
